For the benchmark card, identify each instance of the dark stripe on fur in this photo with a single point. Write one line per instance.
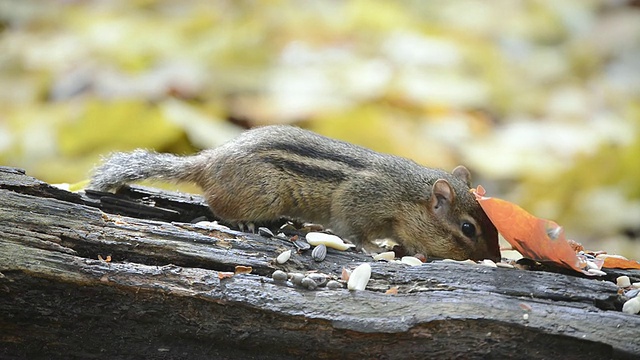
(305, 169)
(316, 153)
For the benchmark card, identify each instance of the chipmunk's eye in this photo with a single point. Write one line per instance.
(468, 229)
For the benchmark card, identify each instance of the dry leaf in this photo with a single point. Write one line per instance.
(392, 291)
(224, 275)
(618, 263)
(243, 269)
(535, 238)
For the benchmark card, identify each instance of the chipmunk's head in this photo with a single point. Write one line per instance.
(456, 227)
(471, 234)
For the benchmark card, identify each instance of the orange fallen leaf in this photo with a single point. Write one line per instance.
(392, 291)
(243, 269)
(108, 259)
(224, 275)
(618, 263)
(534, 238)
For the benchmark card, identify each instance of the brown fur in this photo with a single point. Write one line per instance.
(281, 171)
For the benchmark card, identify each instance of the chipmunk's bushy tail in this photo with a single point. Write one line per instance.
(122, 168)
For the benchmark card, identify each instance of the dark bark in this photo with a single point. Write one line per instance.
(161, 295)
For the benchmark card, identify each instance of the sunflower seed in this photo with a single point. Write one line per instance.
(279, 275)
(489, 263)
(504, 265)
(359, 277)
(411, 261)
(596, 272)
(388, 255)
(592, 265)
(288, 226)
(301, 244)
(283, 257)
(296, 278)
(320, 279)
(265, 232)
(309, 283)
(319, 252)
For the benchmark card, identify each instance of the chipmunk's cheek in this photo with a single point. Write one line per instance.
(460, 248)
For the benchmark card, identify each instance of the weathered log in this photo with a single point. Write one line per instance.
(164, 294)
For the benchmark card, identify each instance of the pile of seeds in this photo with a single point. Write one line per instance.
(309, 281)
(632, 305)
(303, 240)
(359, 277)
(320, 241)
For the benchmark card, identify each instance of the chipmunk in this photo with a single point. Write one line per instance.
(275, 172)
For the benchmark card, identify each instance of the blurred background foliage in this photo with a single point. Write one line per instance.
(539, 98)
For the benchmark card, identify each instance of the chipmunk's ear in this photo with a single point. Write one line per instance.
(463, 174)
(442, 196)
